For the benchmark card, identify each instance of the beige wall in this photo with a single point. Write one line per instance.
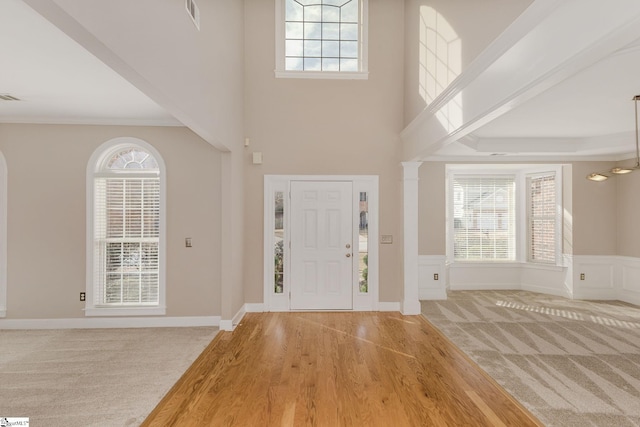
(593, 204)
(431, 209)
(628, 213)
(476, 23)
(594, 211)
(305, 126)
(47, 209)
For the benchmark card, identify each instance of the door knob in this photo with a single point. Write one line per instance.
(348, 255)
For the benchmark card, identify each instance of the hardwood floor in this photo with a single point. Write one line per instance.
(335, 369)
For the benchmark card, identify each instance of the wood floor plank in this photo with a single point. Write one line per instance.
(335, 369)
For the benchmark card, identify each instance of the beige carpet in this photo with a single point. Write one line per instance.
(93, 377)
(571, 363)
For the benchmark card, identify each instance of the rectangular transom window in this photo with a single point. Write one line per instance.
(484, 226)
(321, 38)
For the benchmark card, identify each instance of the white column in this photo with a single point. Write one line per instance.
(410, 301)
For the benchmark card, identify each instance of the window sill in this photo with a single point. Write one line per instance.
(327, 75)
(505, 264)
(125, 311)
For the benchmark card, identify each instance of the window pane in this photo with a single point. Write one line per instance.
(310, 23)
(542, 208)
(294, 47)
(278, 250)
(363, 239)
(294, 64)
(331, 31)
(331, 64)
(313, 13)
(312, 64)
(330, 14)
(294, 11)
(312, 48)
(294, 30)
(349, 32)
(127, 232)
(313, 31)
(331, 49)
(349, 12)
(484, 217)
(349, 49)
(348, 65)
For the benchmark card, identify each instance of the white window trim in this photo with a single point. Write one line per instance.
(521, 171)
(95, 162)
(273, 183)
(280, 71)
(3, 236)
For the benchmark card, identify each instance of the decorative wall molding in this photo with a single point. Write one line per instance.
(607, 278)
(111, 322)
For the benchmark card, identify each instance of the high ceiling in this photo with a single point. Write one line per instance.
(588, 113)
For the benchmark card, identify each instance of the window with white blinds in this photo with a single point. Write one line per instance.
(484, 226)
(127, 229)
(541, 213)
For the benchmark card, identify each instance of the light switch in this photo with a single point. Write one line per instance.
(257, 157)
(187, 242)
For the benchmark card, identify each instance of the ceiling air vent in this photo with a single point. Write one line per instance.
(7, 97)
(194, 12)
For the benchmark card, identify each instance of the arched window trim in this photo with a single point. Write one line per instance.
(3, 236)
(95, 170)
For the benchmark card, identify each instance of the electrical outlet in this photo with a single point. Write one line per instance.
(435, 276)
(187, 242)
(83, 296)
(581, 276)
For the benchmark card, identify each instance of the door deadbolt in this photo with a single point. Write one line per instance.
(348, 246)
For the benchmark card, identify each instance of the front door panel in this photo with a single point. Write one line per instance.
(321, 245)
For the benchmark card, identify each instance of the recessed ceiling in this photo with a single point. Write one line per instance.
(58, 81)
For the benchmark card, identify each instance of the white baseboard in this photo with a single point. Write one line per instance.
(388, 306)
(254, 307)
(110, 322)
(230, 325)
(484, 286)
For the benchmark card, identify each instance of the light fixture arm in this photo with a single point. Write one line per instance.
(635, 100)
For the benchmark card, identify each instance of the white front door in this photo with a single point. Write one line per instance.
(321, 245)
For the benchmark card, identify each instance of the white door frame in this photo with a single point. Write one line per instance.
(281, 183)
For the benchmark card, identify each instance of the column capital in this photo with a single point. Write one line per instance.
(410, 170)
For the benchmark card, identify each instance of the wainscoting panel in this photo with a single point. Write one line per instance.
(629, 290)
(594, 277)
(428, 287)
(484, 276)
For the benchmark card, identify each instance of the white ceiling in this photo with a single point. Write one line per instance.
(58, 81)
